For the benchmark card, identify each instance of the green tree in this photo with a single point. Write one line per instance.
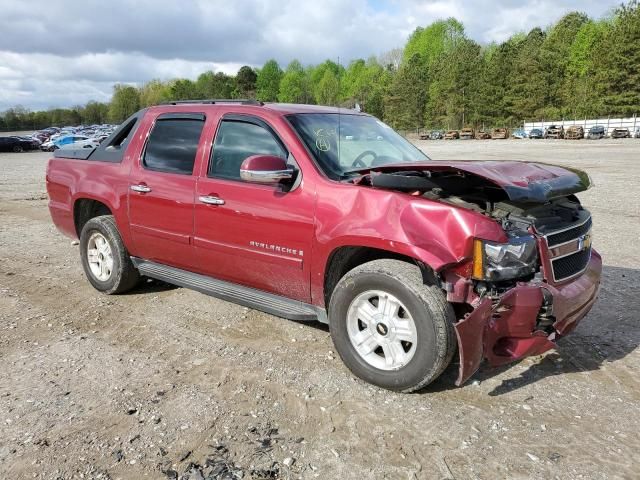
(317, 74)
(328, 89)
(154, 92)
(579, 91)
(294, 85)
(405, 103)
(268, 81)
(215, 85)
(527, 92)
(453, 86)
(246, 82)
(433, 41)
(124, 103)
(554, 57)
(183, 89)
(617, 63)
(95, 113)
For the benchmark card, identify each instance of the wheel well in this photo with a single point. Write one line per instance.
(344, 259)
(85, 209)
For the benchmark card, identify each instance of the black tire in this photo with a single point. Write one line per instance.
(432, 314)
(124, 276)
(18, 149)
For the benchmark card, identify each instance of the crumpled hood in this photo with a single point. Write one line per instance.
(522, 181)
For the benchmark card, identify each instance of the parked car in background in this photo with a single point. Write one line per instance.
(620, 133)
(17, 144)
(467, 133)
(88, 143)
(596, 132)
(536, 133)
(519, 134)
(452, 135)
(554, 132)
(426, 135)
(483, 135)
(437, 135)
(60, 142)
(499, 134)
(574, 132)
(637, 134)
(34, 141)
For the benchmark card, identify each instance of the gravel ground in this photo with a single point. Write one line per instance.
(165, 381)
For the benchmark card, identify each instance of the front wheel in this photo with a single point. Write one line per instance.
(105, 259)
(391, 328)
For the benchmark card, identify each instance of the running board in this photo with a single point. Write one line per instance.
(231, 292)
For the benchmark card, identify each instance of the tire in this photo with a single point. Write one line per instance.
(18, 149)
(119, 274)
(430, 349)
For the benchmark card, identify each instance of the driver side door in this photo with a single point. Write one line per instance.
(254, 235)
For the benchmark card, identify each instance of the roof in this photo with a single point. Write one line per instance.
(302, 108)
(282, 108)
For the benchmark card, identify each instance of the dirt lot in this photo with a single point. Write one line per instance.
(136, 385)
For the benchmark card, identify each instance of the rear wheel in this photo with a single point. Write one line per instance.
(390, 327)
(18, 149)
(105, 259)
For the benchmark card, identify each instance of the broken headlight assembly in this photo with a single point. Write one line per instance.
(495, 262)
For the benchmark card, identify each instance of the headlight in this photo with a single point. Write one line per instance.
(504, 261)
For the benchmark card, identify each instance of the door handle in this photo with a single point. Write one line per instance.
(211, 200)
(140, 188)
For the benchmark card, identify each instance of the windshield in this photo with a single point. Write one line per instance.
(343, 143)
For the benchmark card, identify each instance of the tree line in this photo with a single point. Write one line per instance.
(579, 67)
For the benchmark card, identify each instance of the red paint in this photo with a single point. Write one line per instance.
(280, 241)
(507, 331)
(263, 163)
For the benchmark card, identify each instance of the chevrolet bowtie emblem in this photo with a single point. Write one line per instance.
(584, 242)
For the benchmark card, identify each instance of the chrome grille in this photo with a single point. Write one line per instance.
(558, 238)
(569, 250)
(571, 265)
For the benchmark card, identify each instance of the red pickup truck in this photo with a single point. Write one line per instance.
(315, 213)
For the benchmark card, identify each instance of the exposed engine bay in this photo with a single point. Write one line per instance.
(473, 192)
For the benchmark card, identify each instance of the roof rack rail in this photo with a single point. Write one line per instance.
(241, 101)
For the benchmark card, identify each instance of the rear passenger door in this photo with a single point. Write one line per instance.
(162, 187)
(255, 235)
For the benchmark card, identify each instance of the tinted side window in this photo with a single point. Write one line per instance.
(172, 145)
(237, 140)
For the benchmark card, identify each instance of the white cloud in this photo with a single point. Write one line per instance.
(43, 80)
(70, 51)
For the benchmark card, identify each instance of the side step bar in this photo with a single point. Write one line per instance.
(231, 292)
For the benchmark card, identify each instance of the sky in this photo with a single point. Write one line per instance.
(67, 52)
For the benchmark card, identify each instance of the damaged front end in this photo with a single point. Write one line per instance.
(514, 296)
(538, 298)
(525, 320)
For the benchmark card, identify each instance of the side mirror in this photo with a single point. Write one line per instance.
(265, 169)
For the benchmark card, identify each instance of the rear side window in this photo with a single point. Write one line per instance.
(172, 145)
(238, 140)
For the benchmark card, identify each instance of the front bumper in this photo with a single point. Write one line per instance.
(504, 330)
